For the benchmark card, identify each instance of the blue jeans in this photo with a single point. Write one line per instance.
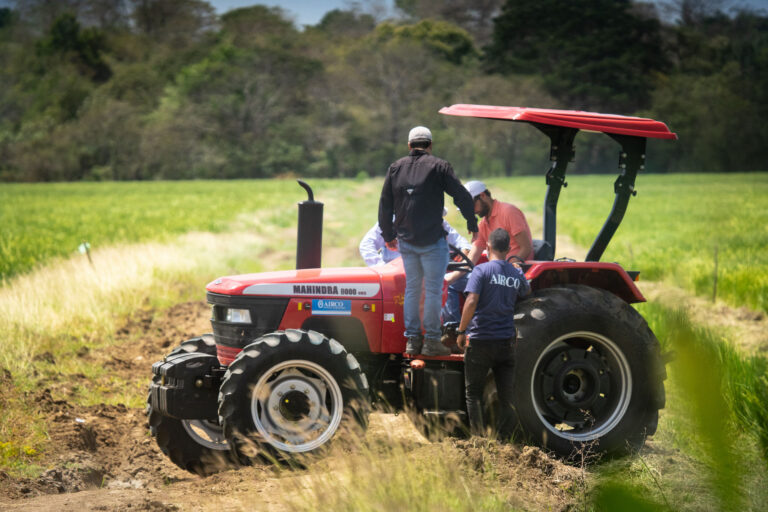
(425, 264)
(498, 356)
(452, 309)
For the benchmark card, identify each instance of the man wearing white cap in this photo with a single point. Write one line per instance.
(413, 193)
(495, 214)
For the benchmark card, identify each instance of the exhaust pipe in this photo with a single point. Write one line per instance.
(309, 240)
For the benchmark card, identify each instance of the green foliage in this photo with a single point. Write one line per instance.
(339, 23)
(718, 100)
(618, 496)
(595, 54)
(6, 17)
(671, 228)
(474, 16)
(86, 83)
(258, 25)
(85, 46)
(443, 38)
(177, 22)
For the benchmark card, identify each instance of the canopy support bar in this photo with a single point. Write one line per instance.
(561, 152)
(631, 160)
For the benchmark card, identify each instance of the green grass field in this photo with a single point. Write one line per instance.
(671, 228)
(45, 221)
(669, 233)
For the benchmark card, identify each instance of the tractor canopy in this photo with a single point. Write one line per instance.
(561, 126)
(587, 121)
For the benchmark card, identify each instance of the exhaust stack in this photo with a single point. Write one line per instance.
(309, 241)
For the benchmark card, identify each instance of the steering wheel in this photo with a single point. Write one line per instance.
(516, 257)
(465, 266)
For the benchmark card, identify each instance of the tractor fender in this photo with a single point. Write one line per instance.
(606, 276)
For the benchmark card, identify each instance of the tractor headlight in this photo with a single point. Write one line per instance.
(238, 316)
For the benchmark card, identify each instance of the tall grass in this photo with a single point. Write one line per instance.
(709, 451)
(390, 478)
(671, 228)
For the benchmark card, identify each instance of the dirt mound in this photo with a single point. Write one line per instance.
(538, 480)
(94, 447)
(108, 446)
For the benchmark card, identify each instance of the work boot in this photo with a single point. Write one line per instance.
(434, 348)
(413, 348)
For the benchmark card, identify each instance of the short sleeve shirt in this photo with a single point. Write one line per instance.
(498, 284)
(505, 216)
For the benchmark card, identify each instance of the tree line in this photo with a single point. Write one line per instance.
(168, 89)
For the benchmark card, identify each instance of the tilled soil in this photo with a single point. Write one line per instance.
(101, 457)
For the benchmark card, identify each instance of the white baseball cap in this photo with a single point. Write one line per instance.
(475, 188)
(419, 133)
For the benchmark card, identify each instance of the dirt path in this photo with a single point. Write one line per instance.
(102, 457)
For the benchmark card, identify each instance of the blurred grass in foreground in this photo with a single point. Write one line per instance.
(392, 478)
(710, 449)
(671, 228)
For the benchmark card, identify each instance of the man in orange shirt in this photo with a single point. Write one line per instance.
(496, 214)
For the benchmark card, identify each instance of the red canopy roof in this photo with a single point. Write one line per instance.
(589, 121)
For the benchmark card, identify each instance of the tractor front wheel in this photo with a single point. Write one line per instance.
(289, 393)
(197, 446)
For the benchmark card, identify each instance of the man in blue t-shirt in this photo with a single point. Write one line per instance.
(487, 329)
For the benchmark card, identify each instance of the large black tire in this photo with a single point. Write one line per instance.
(197, 446)
(589, 376)
(288, 394)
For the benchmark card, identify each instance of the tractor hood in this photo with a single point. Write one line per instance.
(347, 282)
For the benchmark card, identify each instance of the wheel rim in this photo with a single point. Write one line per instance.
(581, 386)
(296, 406)
(206, 433)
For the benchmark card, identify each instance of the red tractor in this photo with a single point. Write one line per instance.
(297, 356)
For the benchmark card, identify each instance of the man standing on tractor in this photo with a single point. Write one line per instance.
(487, 330)
(413, 192)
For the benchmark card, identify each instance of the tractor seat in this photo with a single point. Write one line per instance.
(543, 251)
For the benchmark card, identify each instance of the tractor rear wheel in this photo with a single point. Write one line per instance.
(288, 394)
(197, 446)
(589, 376)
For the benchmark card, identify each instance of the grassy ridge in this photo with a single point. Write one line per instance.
(671, 228)
(44, 221)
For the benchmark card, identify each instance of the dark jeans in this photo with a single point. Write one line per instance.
(451, 312)
(481, 356)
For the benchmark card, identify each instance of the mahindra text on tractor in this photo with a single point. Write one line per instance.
(298, 357)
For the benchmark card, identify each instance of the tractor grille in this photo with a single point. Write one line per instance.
(266, 314)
